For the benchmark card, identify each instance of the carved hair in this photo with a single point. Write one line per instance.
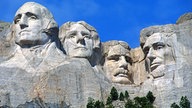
(51, 27)
(66, 26)
(106, 47)
(167, 31)
(147, 32)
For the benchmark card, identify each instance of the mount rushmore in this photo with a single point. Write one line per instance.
(64, 66)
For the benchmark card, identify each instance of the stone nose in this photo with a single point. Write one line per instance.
(151, 55)
(23, 22)
(123, 63)
(80, 39)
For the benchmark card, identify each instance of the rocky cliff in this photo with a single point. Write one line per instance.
(51, 72)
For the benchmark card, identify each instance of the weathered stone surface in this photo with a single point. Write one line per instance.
(72, 82)
(80, 40)
(117, 62)
(35, 72)
(138, 66)
(16, 84)
(4, 26)
(32, 42)
(7, 45)
(185, 17)
(174, 80)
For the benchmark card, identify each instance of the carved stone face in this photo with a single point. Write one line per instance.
(78, 42)
(117, 65)
(158, 53)
(28, 25)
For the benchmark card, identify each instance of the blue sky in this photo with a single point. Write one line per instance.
(113, 19)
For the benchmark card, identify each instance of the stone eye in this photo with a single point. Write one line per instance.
(16, 20)
(114, 58)
(159, 45)
(72, 35)
(86, 35)
(128, 59)
(146, 50)
(33, 17)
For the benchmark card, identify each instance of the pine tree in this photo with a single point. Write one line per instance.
(102, 105)
(129, 104)
(121, 97)
(114, 93)
(110, 106)
(109, 101)
(126, 95)
(174, 105)
(142, 102)
(90, 103)
(184, 102)
(150, 97)
(97, 104)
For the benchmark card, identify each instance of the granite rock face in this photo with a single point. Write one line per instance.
(4, 26)
(184, 17)
(172, 80)
(66, 66)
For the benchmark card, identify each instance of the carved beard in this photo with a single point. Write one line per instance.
(162, 70)
(158, 72)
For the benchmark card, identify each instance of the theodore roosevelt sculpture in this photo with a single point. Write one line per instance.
(117, 62)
